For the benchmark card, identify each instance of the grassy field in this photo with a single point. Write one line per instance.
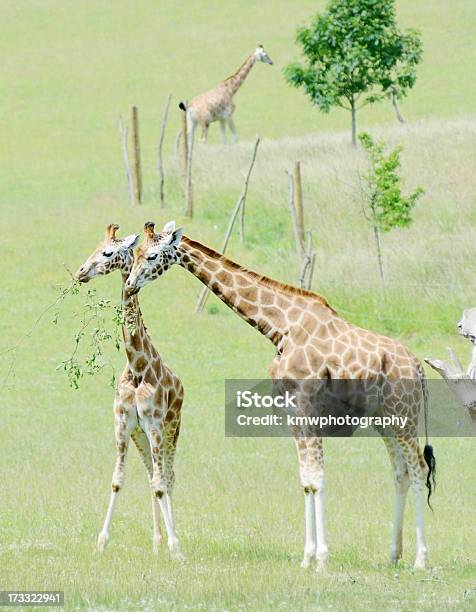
(70, 70)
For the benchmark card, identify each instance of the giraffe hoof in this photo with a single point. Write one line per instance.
(395, 558)
(321, 563)
(102, 542)
(177, 555)
(420, 565)
(156, 542)
(306, 562)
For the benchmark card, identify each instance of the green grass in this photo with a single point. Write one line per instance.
(70, 69)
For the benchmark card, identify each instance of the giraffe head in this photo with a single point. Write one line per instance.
(467, 324)
(261, 55)
(110, 254)
(156, 254)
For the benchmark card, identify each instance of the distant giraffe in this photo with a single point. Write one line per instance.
(148, 398)
(313, 344)
(217, 104)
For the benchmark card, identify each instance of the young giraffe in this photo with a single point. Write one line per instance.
(313, 343)
(217, 104)
(148, 397)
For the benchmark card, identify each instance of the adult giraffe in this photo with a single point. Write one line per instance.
(312, 343)
(217, 103)
(148, 398)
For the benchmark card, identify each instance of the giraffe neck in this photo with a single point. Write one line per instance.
(234, 82)
(137, 342)
(260, 301)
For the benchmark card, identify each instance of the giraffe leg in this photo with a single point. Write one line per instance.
(142, 444)
(416, 470)
(310, 542)
(316, 468)
(402, 484)
(171, 437)
(231, 125)
(222, 131)
(191, 125)
(124, 424)
(203, 137)
(157, 536)
(311, 468)
(159, 489)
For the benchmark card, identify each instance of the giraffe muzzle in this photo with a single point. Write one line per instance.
(82, 275)
(131, 288)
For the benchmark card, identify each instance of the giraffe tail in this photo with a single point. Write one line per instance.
(428, 453)
(182, 106)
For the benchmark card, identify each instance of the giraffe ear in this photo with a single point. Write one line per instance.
(129, 242)
(169, 227)
(176, 237)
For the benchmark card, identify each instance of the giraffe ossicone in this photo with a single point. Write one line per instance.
(313, 342)
(148, 397)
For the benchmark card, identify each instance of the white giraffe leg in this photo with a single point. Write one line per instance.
(103, 536)
(322, 552)
(159, 490)
(421, 548)
(311, 469)
(310, 544)
(191, 126)
(168, 498)
(157, 535)
(142, 444)
(231, 125)
(315, 476)
(414, 459)
(204, 134)
(402, 484)
(222, 131)
(172, 538)
(125, 422)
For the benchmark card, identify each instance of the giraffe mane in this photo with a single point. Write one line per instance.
(238, 70)
(260, 278)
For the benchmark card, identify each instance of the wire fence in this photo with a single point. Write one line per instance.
(421, 284)
(379, 317)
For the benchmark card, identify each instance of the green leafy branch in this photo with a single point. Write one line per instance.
(100, 322)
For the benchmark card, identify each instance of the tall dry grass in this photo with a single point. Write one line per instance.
(429, 276)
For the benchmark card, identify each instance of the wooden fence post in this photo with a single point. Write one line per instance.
(160, 164)
(125, 158)
(238, 208)
(308, 264)
(188, 179)
(298, 200)
(245, 191)
(292, 212)
(136, 169)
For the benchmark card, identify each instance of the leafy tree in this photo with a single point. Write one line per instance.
(355, 55)
(385, 205)
(402, 77)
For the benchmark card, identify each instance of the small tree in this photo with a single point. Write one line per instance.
(385, 206)
(355, 55)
